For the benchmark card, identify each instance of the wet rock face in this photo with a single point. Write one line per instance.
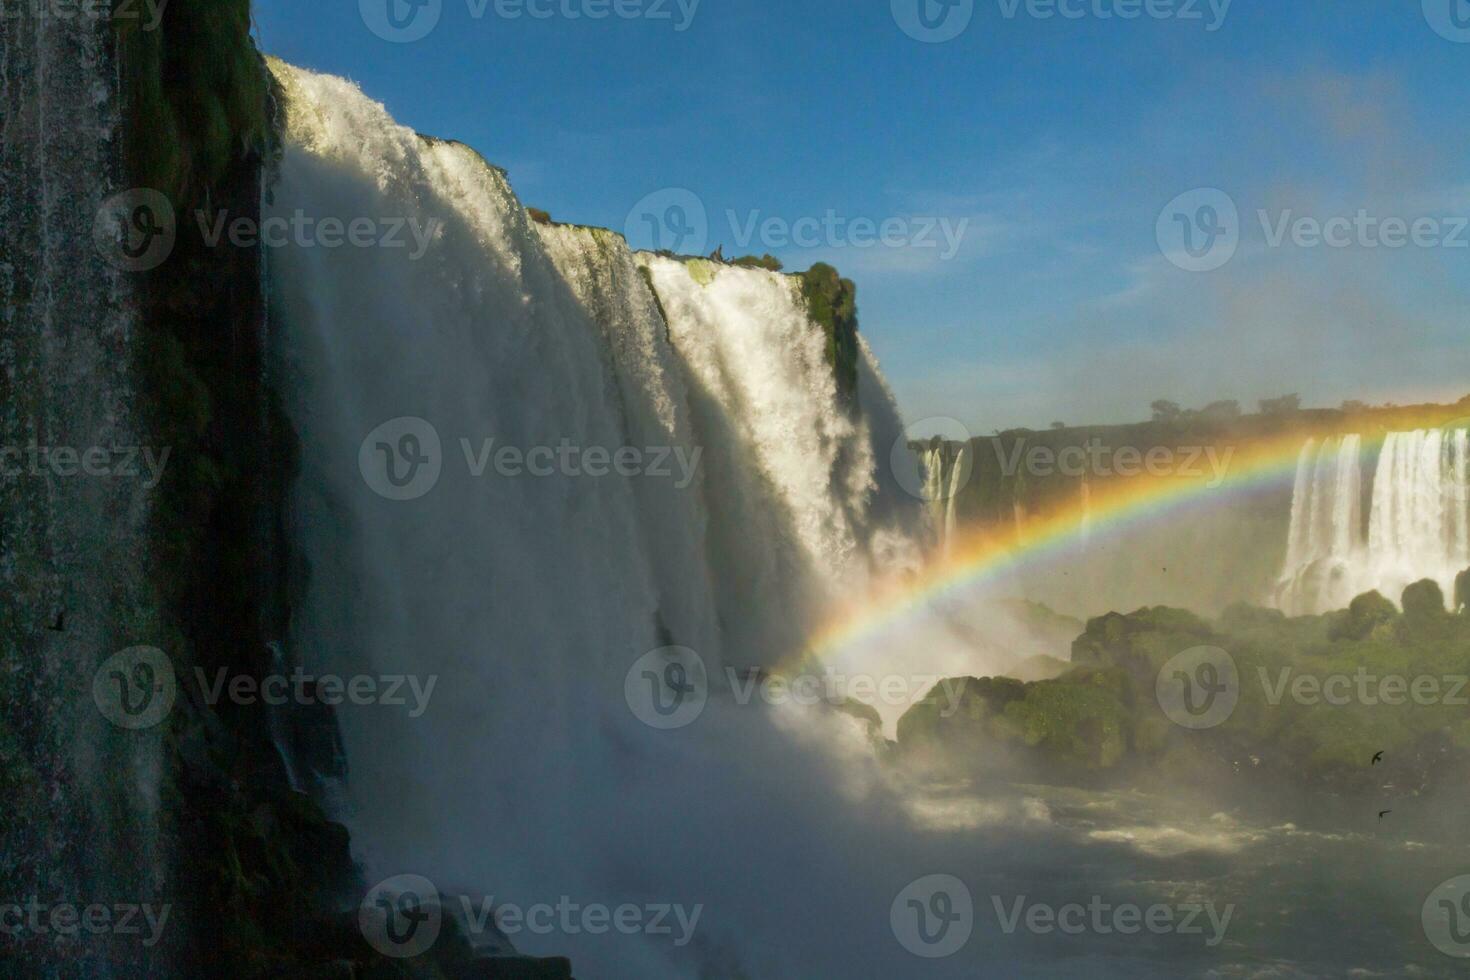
(82, 821)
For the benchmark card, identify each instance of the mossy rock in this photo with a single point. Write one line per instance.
(831, 302)
(702, 271)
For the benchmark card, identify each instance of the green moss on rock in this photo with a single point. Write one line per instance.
(194, 94)
(832, 304)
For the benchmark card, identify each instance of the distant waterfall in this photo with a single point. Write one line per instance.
(1418, 523)
(945, 469)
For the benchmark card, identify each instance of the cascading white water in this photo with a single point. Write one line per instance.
(946, 468)
(529, 598)
(1418, 521)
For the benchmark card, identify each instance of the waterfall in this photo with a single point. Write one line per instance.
(946, 470)
(1418, 520)
(755, 505)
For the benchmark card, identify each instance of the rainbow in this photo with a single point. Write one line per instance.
(1112, 509)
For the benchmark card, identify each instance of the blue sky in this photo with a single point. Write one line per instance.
(1055, 143)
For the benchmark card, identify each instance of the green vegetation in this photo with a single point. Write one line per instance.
(195, 95)
(767, 262)
(1318, 697)
(832, 304)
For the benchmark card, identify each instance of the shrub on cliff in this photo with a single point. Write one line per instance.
(767, 262)
(1365, 614)
(832, 303)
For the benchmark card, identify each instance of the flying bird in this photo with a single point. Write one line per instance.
(1383, 813)
(1377, 757)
